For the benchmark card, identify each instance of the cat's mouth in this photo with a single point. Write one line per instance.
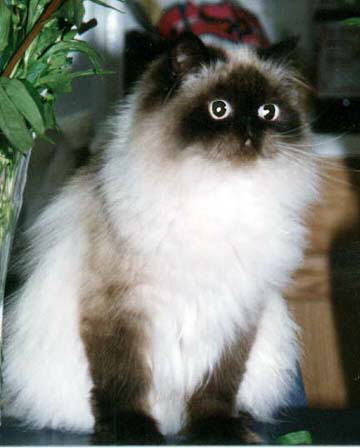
(240, 151)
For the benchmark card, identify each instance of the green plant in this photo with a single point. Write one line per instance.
(353, 21)
(37, 38)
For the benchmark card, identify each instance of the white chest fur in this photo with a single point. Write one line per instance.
(214, 243)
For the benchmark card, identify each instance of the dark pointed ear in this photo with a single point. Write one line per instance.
(141, 48)
(187, 54)
(285, 50)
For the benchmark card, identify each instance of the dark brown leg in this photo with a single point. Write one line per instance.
(218, 429)
(211, 410)
(116, 351)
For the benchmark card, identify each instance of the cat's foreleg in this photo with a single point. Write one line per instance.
(212, 414)
(272, 364)
(116, 349)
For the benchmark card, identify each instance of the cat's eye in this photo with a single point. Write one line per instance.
(269, 112)
(219, 109)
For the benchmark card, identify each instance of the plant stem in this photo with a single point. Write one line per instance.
(45, 16)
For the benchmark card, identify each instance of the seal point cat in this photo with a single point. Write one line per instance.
(152, 302)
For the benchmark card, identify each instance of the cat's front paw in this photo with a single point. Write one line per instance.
(222, 430)
(128, 429)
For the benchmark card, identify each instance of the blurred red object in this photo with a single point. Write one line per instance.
(223, 20)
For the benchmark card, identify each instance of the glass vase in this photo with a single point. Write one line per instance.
(13, 172)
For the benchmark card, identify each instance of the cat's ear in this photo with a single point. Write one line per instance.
(140, 49)
(285, 50)
(187, 53)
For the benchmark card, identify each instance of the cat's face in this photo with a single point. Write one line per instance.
(229, 105)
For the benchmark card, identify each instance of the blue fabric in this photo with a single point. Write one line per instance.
(296, 400)
(13, 434)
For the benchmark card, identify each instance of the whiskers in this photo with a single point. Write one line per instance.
(304, 126)
(318, 144)
(303, 156)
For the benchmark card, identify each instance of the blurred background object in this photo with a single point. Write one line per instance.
(337, 65)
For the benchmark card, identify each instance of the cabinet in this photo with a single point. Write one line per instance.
(325, 297)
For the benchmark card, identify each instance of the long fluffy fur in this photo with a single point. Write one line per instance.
(215, 243)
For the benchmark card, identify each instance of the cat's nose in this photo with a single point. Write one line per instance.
(247, 146)
(248, 142)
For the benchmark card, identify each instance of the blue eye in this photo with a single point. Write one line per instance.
(269, 112)
(219, 109)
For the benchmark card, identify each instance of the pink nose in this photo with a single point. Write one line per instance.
(248, 142)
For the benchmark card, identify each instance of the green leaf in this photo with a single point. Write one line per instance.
(90, 72)
(58, 61)
(295, 438)
(74, 46)
(20, 4)
(79, 13)
(105, 5)
(67, 11)
(57, 81)
(35, 8)
(60, 82)
(15, 20)
(25, 104)
(49, 34)
(73, 11)
(12, 124)
(35, 70)
(70, 35)
(5, 22)
(49, 116)
(4, 57)
(354, 21)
